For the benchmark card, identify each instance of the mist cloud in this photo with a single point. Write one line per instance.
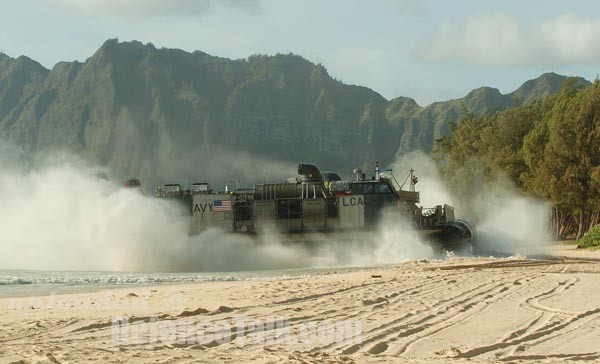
(498, 39)
(506, 221)
(55, 214)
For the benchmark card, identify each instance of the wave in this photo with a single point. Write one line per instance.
(93, 278)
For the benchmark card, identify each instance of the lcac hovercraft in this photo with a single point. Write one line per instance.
(320, 203)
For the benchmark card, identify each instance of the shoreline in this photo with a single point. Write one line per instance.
(183, 278)
(557, 250)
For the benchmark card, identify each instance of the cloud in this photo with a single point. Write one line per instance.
(155, 8)
(498, 39)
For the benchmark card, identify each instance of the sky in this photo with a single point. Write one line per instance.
(425, 49)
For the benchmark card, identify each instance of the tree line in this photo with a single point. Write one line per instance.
(550, 149)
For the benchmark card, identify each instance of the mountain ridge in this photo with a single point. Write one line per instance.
(152, 112)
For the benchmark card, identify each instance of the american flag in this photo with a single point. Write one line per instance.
(221, 205)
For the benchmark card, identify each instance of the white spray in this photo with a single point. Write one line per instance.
(506, 221)
(60, 216)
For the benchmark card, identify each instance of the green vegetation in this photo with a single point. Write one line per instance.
(549, 148)
(591, 239)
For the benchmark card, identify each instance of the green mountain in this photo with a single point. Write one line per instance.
(155, 113)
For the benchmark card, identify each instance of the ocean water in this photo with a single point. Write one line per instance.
(19, 283)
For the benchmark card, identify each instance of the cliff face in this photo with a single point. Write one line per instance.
(154, 113)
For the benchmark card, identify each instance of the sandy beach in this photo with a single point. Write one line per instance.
(459, 310)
